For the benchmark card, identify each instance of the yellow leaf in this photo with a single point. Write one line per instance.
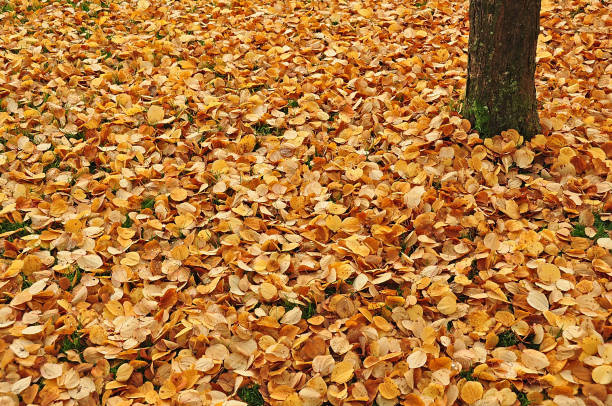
(602, 374)
(142, 5)
(549, 273)
(342, 372)
(365, 12)
(333, 223)
(178, 194)
(388, 389)
(155, 114)
(133, 110)
(124, 372)
(334, 208)
(124, 99)
(354, 245)
(448, 305)
(247, 143)
(471, 392)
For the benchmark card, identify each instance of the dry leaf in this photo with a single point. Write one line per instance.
(471, 392)
(447, 305)
(602, 374)
(538, 300)
(228, 194)
(342, 372)
(549, 272)
(124, 372)
(417, 359)
(51, 371)
(90, 261)
(155, 114)
(534, 359)
(388, 389)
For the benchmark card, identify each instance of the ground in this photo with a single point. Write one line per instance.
(229, 203)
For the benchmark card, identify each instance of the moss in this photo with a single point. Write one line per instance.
(290, 103)
(21, 229)
(308, 310)
(520, 107)
(147, 203)
(467, 375)
(577, 11)
(507, 338)
(53, 164)
(267, 129)
(498, 116)
(74, 342)
(473, 270)
(330, 290)
(521, 397)
(251, 395)
(74, 277)
(579, 231)
(528, 342)
(473, 46)
(469, 233)
(25, 282)
(512, 87)
(480, 116)
(601, 228)
(491, 7)
(128, 222)
(93, 168)
(115, 368)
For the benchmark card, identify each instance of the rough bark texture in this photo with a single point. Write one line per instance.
(500, 92)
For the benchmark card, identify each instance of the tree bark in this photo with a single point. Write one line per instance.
(500, 93)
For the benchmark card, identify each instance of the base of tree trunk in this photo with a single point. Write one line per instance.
(500, 93)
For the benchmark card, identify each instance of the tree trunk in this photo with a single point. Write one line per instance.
(500, 92)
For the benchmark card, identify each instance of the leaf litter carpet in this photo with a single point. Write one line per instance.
(234, 202)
